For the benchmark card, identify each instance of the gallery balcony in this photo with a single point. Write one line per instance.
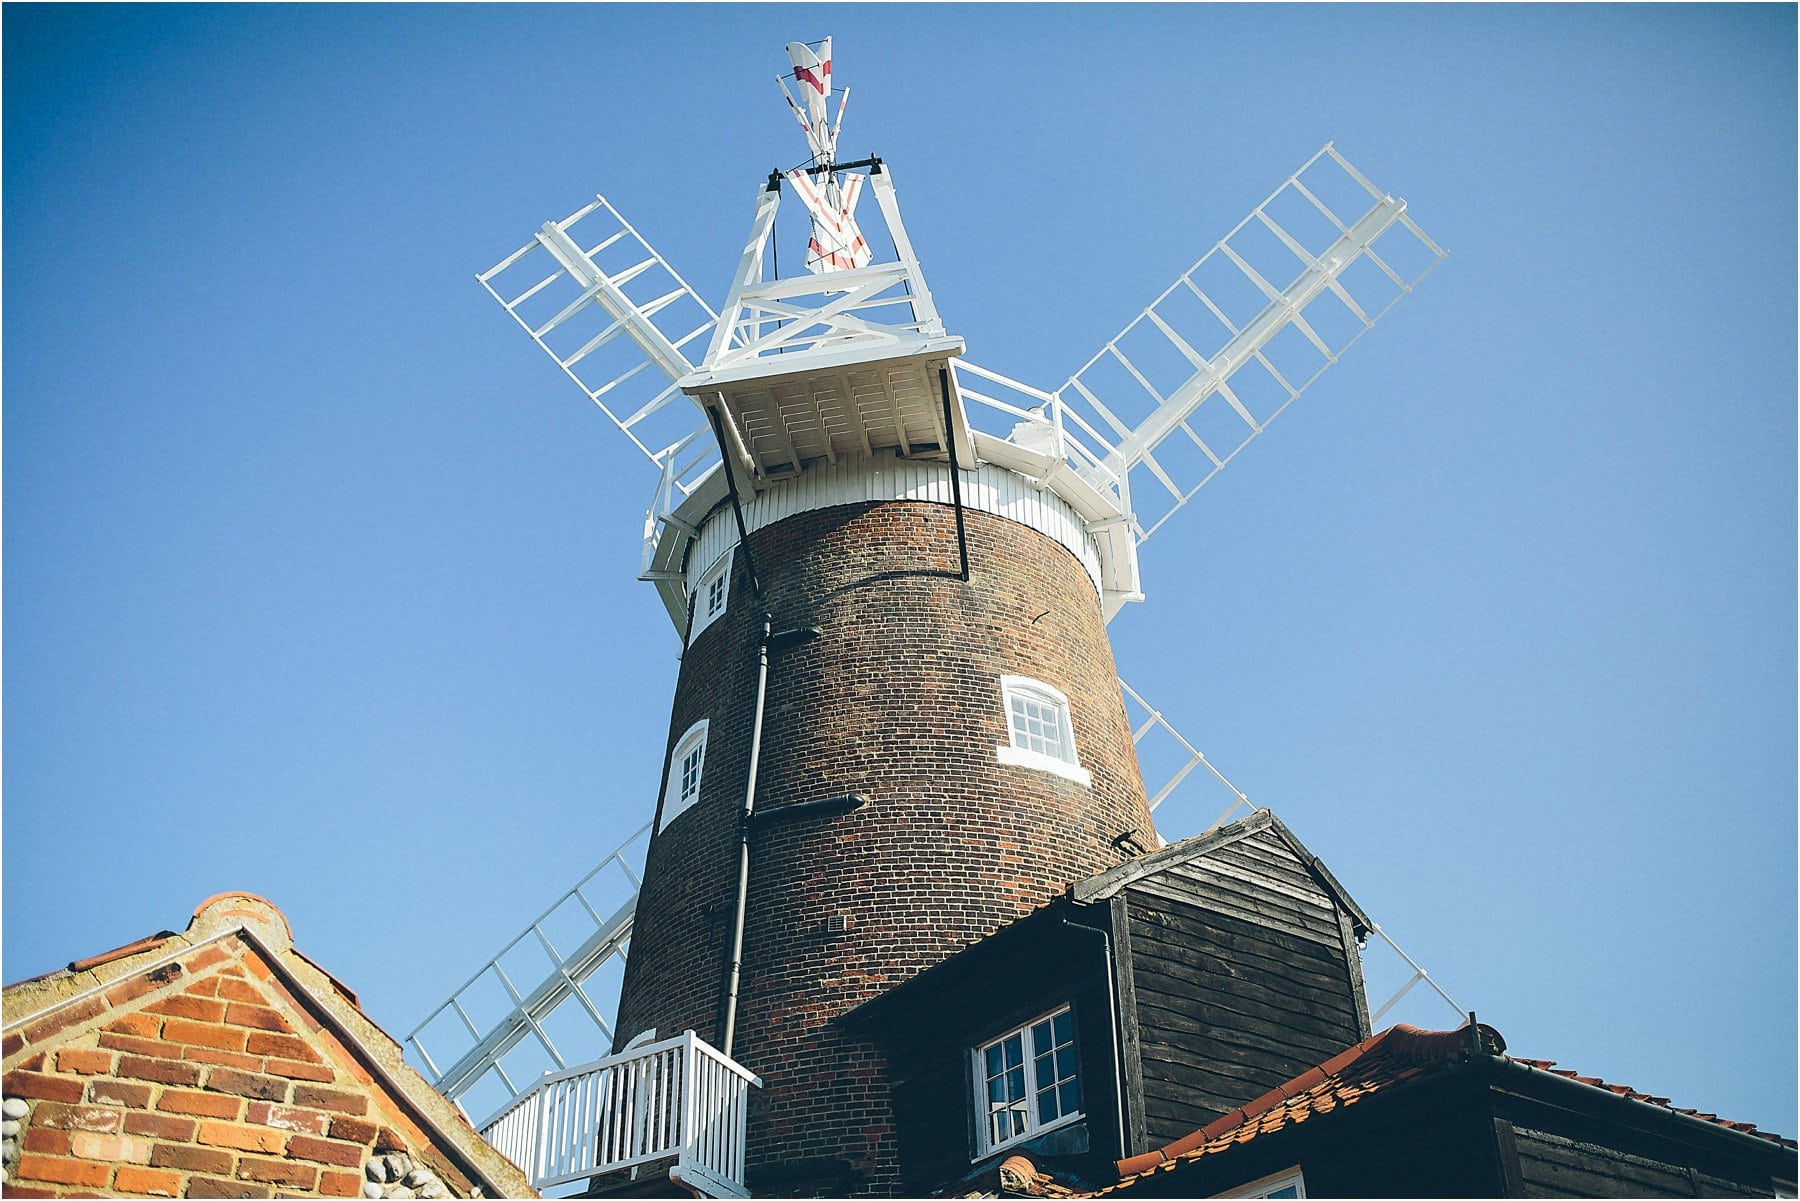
(673, 1110)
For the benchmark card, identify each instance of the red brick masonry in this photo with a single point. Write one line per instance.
(204, 1073)
(899, 699)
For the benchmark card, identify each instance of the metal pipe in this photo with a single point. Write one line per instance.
(1112, 1012)
(747, 816)
(962, 541)
(735, 969)
(835, 806)
(873, 161)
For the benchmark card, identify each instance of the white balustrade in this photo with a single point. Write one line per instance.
(678, 1099)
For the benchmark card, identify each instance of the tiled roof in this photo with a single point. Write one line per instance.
(1378, 1064)
(1625, 1090)
(1017, 1176)
(164, 937)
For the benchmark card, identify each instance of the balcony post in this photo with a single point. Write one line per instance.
(690, 1074)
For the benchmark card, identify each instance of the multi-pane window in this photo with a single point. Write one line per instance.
(690, 774)
(1038, 729)
(712, 593)
(1037, 723)
(685, 766)
(1028, 1079)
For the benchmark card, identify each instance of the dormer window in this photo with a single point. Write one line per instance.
(712, 593)
(1037, 721)
(683, 787)
(1027, 1080)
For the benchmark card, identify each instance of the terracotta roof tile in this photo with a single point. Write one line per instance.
(130, 948)
(1377, 1064)
(1625, 1090)
(1017, 1176)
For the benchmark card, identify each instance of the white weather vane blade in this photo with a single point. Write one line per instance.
(837, 244)
(812, 74)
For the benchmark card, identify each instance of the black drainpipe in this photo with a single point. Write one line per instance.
(747, 815)
(1112, 1013)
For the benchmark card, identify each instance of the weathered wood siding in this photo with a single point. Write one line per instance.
(1551, 1165)
(1241, 979)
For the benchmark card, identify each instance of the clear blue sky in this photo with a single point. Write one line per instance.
(318, 577)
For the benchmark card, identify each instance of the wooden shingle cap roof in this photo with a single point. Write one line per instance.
(230, 1008)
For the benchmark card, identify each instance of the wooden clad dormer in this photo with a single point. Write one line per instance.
(1196, 978)
(1238, 956)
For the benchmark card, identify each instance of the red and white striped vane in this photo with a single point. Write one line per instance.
(837, 244)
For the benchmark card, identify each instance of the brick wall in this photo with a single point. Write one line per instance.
(899, 700)
(205, 1076)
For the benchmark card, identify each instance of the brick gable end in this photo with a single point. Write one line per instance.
(204, 1075)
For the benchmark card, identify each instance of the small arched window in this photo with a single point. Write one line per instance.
(1040, 735)
(685, 765)
(712, 593)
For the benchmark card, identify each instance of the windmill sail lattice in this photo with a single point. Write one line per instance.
(555, 1003)
(621, 323)
(814, 379)
(1231, 343)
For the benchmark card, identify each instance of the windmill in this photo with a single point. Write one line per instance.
(851, 524)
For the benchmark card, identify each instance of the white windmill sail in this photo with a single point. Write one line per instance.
(621, 323)
(1231, 343)
(546, 1000)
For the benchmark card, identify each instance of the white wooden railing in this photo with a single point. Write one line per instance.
(677, 1099)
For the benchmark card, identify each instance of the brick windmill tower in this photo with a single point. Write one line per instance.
(897, 726)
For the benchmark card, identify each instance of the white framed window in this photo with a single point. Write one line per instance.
(1037, 723)
(1028, 1080)
(1282, 1184)
(685, 766)
(712, 593)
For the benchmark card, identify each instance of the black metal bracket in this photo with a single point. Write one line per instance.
(828, 807)
(737, 508)
(873, 162)
(962, 538)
